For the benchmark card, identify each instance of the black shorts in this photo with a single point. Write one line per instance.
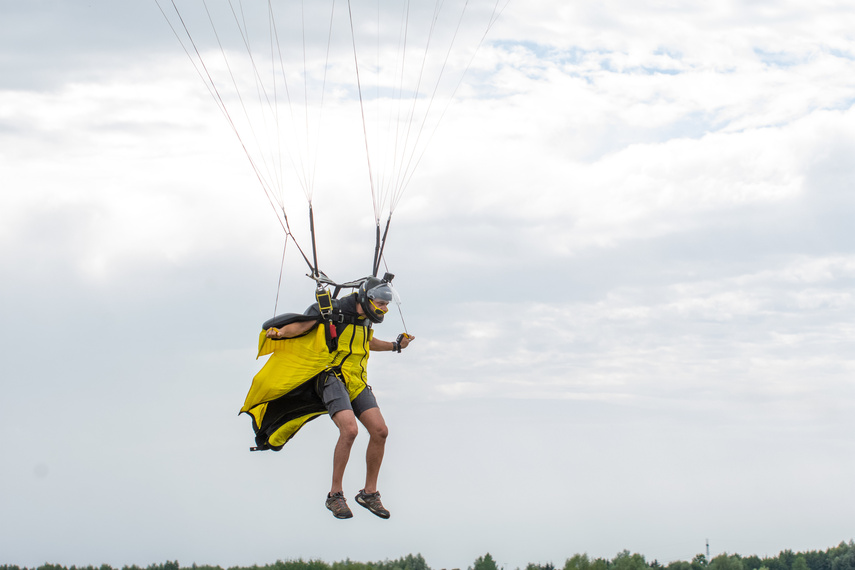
(336, 398)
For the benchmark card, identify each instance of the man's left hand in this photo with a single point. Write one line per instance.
(404, 339)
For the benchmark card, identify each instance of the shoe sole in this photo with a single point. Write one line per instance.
(385, 515)
(340, 515)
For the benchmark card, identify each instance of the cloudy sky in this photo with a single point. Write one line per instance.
(627, 256)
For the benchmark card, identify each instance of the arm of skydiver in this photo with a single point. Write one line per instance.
(375, 344)
(291, 330)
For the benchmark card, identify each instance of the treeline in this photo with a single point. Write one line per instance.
(840, 557)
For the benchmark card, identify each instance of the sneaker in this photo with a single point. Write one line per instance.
(338, 505)
(371, 501)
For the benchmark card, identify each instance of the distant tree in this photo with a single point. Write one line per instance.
(679, 565)
(485, 562)
(725, 562)
(408, 562)
(751, 562)
(578, 562)
(845, 557)
(818, 560)
(779, 562)
(799, 563)
(626, 561)
(787, 558)
(300, 564)
(600, 564)
(168, 565)
(547, 566)
(349, 564)
(699, 562)
(51, 567)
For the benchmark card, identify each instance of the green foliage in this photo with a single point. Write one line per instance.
(51, 567)
(408, 562)
(788, 558)
(840, 557)
(844, 557)
(165, 566)
(299, 564)
(547, 566)
(725, 562)
(578, 562)
(485, 562)
(776, 563)
(818, 560)
(800, 563)
(626, 561)
(600, 564)
(350, 565)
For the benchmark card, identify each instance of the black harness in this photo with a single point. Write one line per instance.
(332, 314)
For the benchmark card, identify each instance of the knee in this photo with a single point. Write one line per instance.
(379, 432)
(347, 432)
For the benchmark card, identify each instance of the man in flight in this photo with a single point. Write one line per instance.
(341, 342)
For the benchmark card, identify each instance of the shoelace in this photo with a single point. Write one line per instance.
(338, 499)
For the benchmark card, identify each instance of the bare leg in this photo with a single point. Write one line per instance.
(347, 429)
(373, 421)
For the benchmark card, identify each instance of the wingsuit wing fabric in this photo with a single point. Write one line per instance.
(284, 394)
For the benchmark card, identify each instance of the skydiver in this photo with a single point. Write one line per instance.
(347, 395)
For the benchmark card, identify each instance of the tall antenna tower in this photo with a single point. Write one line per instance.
(708, 551)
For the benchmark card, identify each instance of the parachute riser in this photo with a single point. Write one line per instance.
(315, 272)
(380, 245)
(376, 251)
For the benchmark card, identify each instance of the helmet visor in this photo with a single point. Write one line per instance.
(383, 292)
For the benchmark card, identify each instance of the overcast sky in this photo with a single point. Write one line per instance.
(627, 256)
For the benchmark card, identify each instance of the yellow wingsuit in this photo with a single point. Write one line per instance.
(285, 394)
